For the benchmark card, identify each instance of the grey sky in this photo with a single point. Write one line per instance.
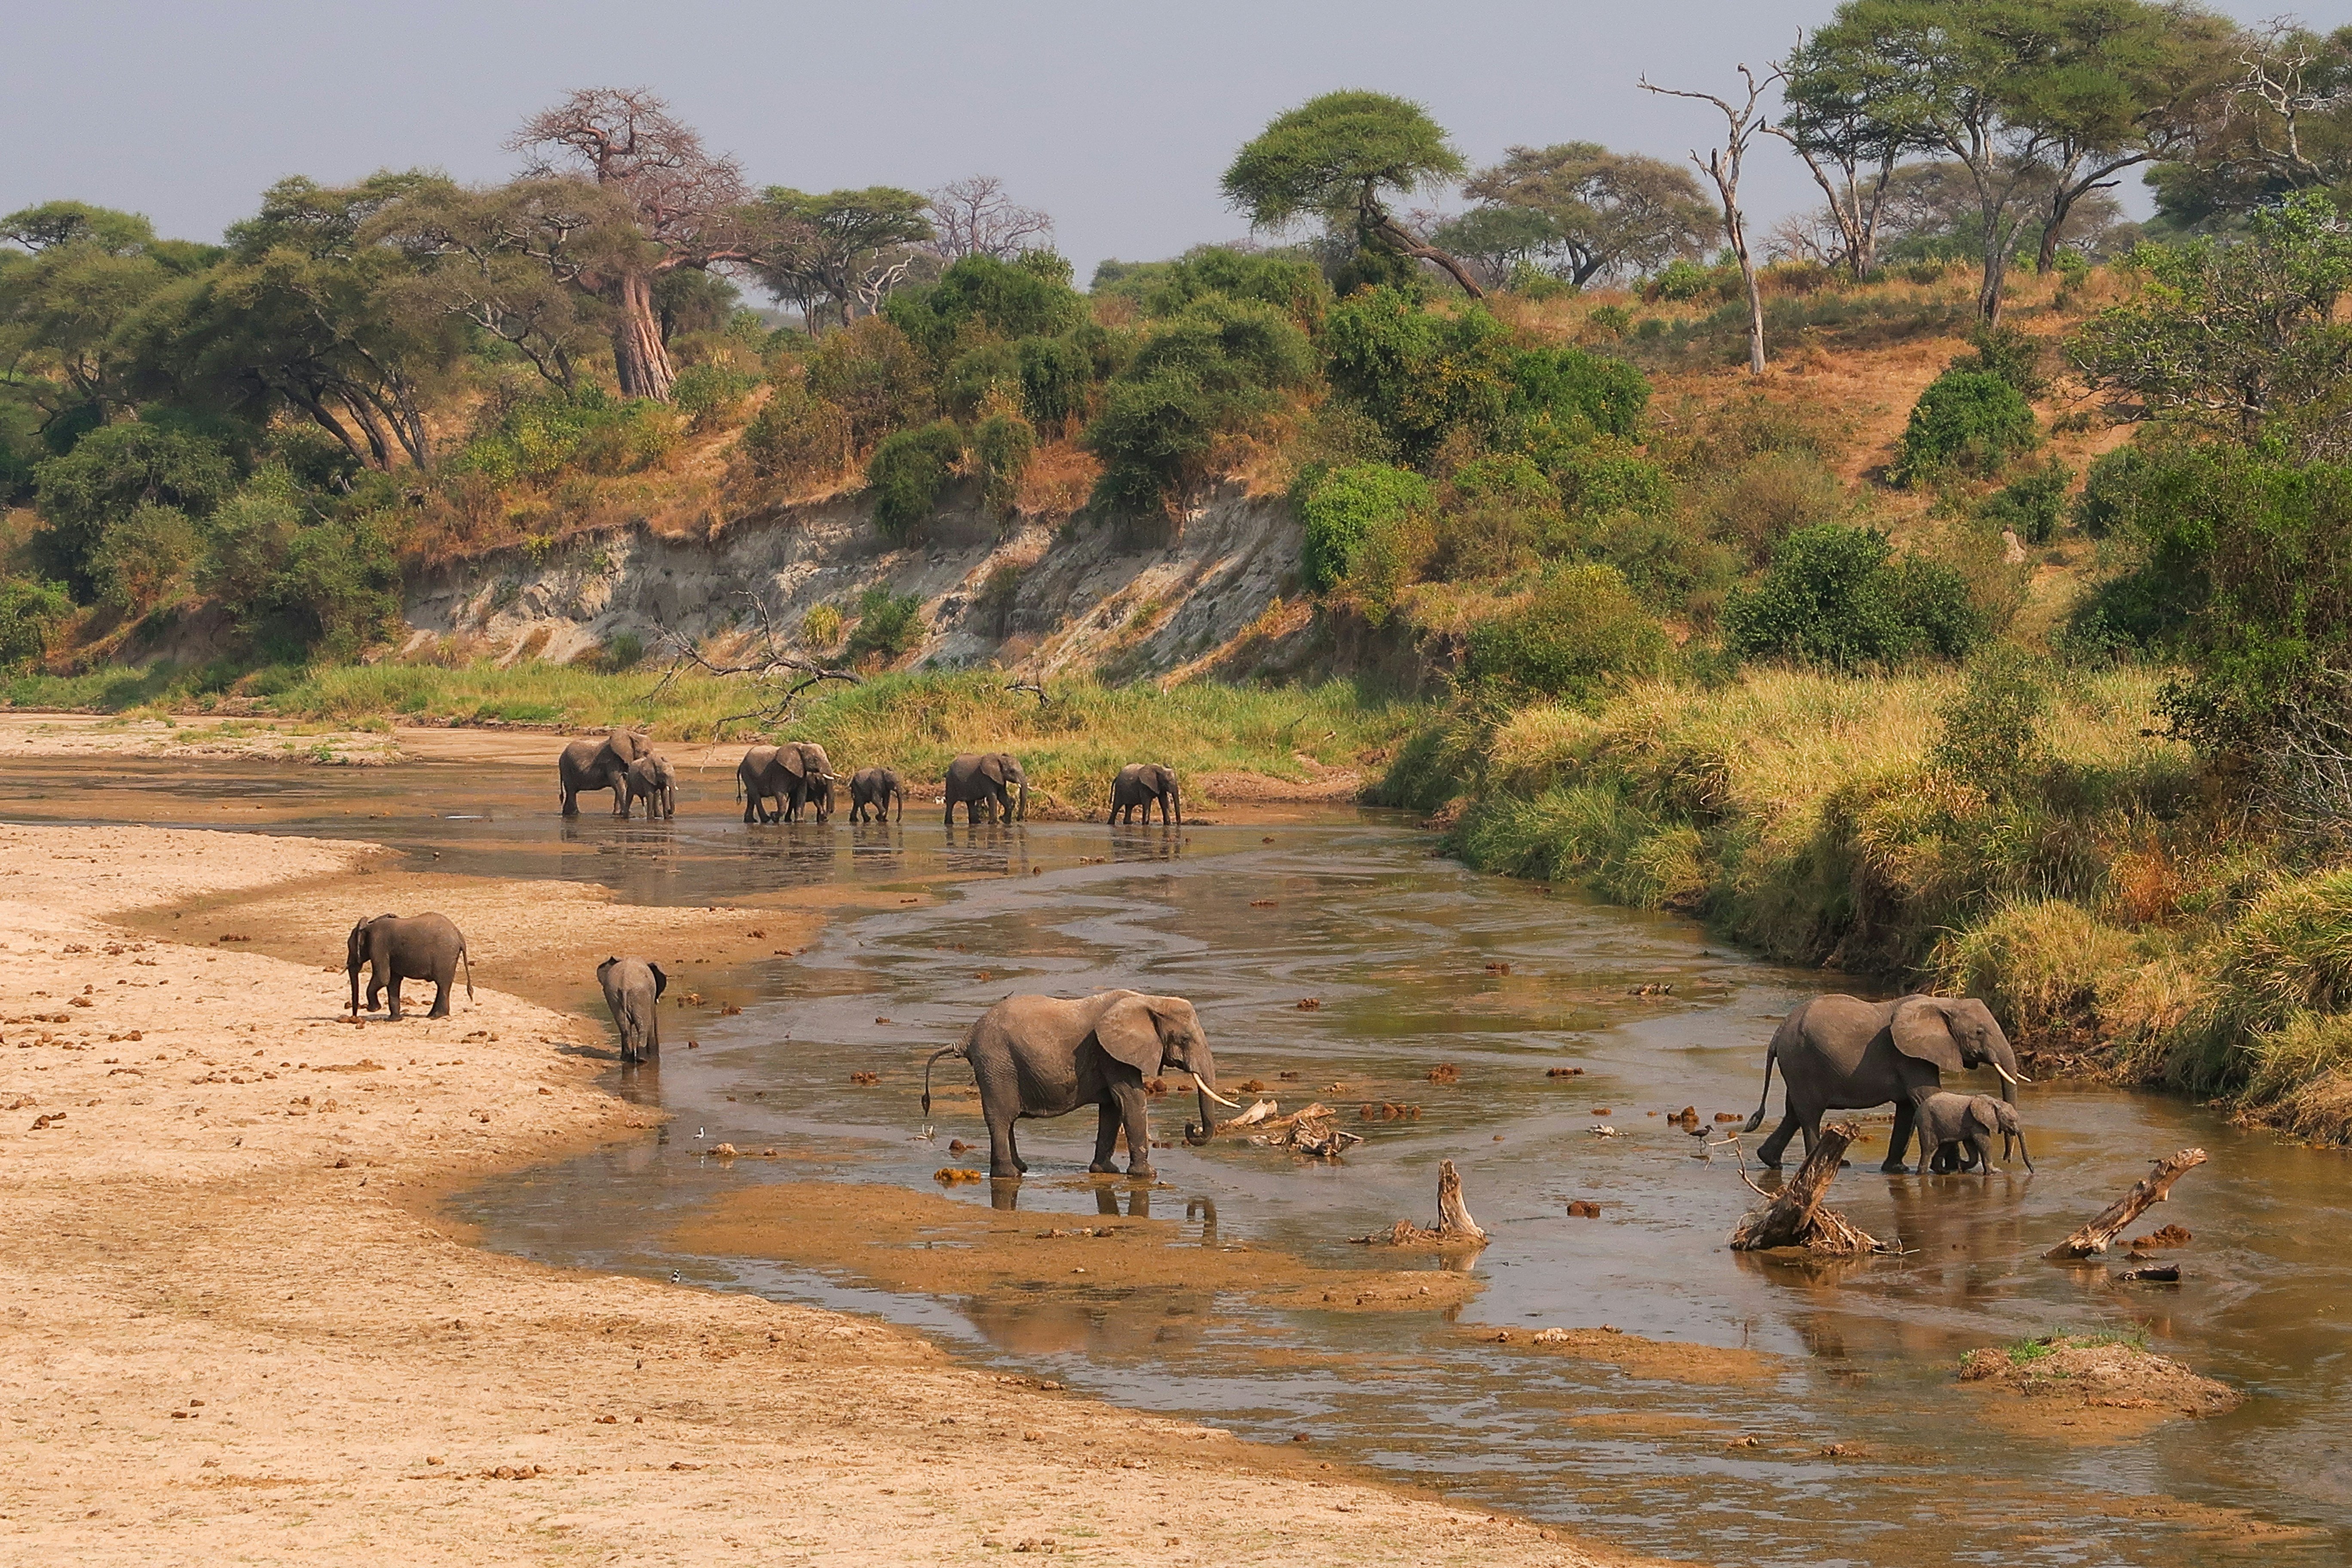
(1117, 118)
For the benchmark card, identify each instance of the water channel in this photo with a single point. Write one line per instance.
(1247, 917)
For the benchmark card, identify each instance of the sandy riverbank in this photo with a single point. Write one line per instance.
(236, 1330)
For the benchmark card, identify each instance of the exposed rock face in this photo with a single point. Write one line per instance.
(1029, 599)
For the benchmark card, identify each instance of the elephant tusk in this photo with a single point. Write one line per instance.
(2006, 1075)
(1212, 1094)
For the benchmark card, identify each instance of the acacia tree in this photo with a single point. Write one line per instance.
(973, 216)
(1743, 119)
(684, 202)
(62, 307)
(1835, 116)
(845, 248)
(2284, 124)
(1608, 212)
(1343, 157)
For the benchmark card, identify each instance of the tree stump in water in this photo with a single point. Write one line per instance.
(1454, 1226)
(1794, 1215)
(2153, 1188)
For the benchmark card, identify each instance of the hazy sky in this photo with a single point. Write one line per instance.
(1117, 118)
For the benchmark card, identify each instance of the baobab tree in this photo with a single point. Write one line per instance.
(974, 217)
(685, 204)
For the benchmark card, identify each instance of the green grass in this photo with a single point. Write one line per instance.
(1070, 744)
(2026, 1352)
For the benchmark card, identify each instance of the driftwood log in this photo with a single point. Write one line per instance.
(1454, 1226)
(2153, 1188)
(1795, 1215)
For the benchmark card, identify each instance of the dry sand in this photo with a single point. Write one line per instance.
(237, 1328)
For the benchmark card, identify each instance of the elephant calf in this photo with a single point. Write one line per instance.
(1145, 784)
(632, 988)
(871, 790)
(407, 947)
(1046, 1056)
(652, 780)
(1955, 1130)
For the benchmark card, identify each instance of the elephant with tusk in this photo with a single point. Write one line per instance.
(1046, 1056)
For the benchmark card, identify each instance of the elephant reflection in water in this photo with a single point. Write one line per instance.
(1139, 1203)
(1106, 1320)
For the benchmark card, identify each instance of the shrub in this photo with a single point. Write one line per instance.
(1970, 420)
(820, 628)
(298, 581)
(1212, 368)
(537, 436)
(143, 557)
(623, 650)
(887, 625)
(1496, 515)
(1610, 321)
(1566, 393)
(975, 374)
(30, 610)
(2013, 355)
(1341, 512)
(1580, 629)
(1662, 561)
(1992, 730)
(709, 395)
(1610, 476)
(1419, 375)
(2110, 490)
(874, 375)
(1003, 444)
(1769, 497)
(1293, 286)
(1836, 595)
(2031, 503)
(796, 437)
(2040, 963)
(1057, 374)
(906, 473)
(1682, 278)
(111, 472)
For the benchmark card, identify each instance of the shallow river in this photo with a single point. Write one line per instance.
(1352, 909)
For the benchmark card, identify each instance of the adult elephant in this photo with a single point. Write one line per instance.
(652, 780)
(407, 947)
(1144, 784)
(758, 780)
(978, 779)
(871, 790)
(600, 764)
(1841, 1053)
(807, 775)
(632, 989)
(1046, 1056)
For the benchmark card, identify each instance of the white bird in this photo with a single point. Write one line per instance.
(698, 1133)
(675, 1276)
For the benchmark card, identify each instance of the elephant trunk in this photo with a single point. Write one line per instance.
(2024, 1153)
(1179, 801)
(354, 967)
(2003, 1061)
(1021, 814)
(1205, 1078)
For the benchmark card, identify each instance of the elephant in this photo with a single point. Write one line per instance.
(1141, 784)
(600, 764)
(1954, 1130)
(793, 775)
(871, 790)
(755, 778)
(977, 778)
(1843, 1053)
(407, 947)
(633, 987)
(1046, 1056)
(652, 780)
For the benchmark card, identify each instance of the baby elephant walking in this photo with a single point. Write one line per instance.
(633, 987)
(1954, 1131)
(407, 947)
(1146, 785)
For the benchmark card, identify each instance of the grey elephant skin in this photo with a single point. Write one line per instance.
(1841, 1053)
(1956, 1132)
(1046, 1056)
(600, 764)
(652, 780)
(871, 790)
(795, 775)
(978, 780)
(1145, 784)
(407, 947)
(633, 988)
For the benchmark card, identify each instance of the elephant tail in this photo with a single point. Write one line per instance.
(1771, 1055)
(468, 959)
(954, 1051)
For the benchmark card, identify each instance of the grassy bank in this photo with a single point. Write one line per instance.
(1070, 744)
(2027, 838)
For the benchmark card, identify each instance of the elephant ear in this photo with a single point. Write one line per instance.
(1127, 1031)
(1984, 1114)
(1922, 1033)
(603, 967)
(661, 981)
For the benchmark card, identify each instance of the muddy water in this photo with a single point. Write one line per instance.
(1249, 919)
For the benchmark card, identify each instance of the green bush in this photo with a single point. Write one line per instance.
(1612, 476)
(871, 373)
(1027, 298)
(965, 385)
(1496, 516)
(297, 581)
(1057, 374)
(1682, 278)
(1768, 497)
(108, 474)
(1973, 421)
(906, 473)
(709, 395)
(539, 435)
(1293, 286)
(623, 650)
(1341, 509)
(1992, 731)
(1581, 629)
(887, 625)
(1212, 368)
(1610, 321)
(796, 437)
(143, 557)
(2110, 490)
(1563, 394)
(1420, 375)
(1839, 597)
(2010, 353)
(1003, 443)
(30, 610)
(2031, 503)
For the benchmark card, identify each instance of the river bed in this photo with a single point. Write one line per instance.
(1403, 952)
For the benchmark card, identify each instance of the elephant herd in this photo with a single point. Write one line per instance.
(777, 784)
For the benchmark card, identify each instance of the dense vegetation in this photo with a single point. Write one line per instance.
(2043, 690)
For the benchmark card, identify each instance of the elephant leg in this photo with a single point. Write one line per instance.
(392, 994)
(1132, 1104)
(1106, 1139)
(1769, 1152)
(570, 801)
(1899, 1139)
(1003, 1159)
(441, 985)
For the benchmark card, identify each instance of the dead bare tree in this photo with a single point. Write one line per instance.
(686, 203)
(1742, 120)
(768, 663)
(2278, 64)
(973, 216)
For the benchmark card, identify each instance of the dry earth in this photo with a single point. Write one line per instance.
(235, 1328)
(2088, 1389)
(196, 738)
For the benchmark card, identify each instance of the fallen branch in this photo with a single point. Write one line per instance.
(1310, 1131)
(1034, 688)
(769, 663)
(1795, 1215)
(2153, 1188)
(1454, 1226)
